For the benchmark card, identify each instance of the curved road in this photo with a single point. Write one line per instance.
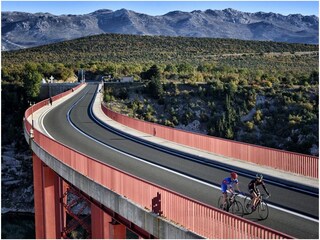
(58, 126)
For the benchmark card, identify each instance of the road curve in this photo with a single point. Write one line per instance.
(204, 188)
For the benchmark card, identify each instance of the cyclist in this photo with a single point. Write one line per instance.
(254, 190)
(228, 183)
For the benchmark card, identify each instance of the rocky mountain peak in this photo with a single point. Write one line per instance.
(21, 30)
(175, 13)
(101, 11)
(230, 11)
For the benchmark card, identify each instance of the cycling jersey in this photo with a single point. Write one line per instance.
(253, 186)
(228, 182)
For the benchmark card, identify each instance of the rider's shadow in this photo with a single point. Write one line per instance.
(254, 216)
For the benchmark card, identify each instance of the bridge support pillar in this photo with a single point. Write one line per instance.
(64, 202)
(99, 223)
(117, 230)
(47, 193)
(104, 227)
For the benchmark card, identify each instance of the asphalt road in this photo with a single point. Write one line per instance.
(58, 126)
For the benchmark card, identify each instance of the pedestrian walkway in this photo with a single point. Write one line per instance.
(39, 114)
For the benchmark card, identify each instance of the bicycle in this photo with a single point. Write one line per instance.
(233, 205)
(261, 206)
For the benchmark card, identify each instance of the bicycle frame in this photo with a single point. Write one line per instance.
(232, 205)
(259, 200)
(261, 206)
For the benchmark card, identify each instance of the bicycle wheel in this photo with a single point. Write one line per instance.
(247, 204)
(236, 208)
(263, 210)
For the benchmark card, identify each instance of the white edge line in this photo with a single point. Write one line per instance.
(41, 122)
(163, 168)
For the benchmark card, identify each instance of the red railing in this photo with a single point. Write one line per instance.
(45, 102)
(193, 215)
(305, 165)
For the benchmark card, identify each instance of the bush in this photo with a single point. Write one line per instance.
(249, 125)
(258, 116)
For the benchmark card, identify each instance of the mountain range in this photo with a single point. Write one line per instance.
(24, 30)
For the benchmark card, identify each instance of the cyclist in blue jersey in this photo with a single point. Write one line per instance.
(227, 184)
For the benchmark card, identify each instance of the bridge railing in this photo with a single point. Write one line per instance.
(302, 164)
(45, 102)
(198, 217)
(191, 214)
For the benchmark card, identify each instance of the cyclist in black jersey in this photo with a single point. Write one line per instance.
(254, 190)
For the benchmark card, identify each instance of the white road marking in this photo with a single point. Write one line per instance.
(157, 166)
(41, 122)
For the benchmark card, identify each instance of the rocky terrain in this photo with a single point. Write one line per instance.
(16, 180)
(23, 30)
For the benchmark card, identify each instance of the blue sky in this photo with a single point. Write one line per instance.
(161, 7)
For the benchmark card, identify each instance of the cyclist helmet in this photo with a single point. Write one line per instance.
(234, 175)
(259, 176)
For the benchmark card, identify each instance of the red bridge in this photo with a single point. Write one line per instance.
(94, 170)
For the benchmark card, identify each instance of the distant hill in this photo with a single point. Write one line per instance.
(24, 30)
(122, 48)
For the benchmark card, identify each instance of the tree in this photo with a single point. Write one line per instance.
(216, 88)
(258, 116)
(47, 69)
(32, 80)
(249, 125)
(231, 87)
(229, 133)
(153, 72)
(170, 68)
(185, 68)
(61, 72)
(123, 93)
(155, 87)
(314, 78)
(110, 68)
(197, 77)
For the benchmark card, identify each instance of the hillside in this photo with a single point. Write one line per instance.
(24, 30)
(259, 92)
(119, 48)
